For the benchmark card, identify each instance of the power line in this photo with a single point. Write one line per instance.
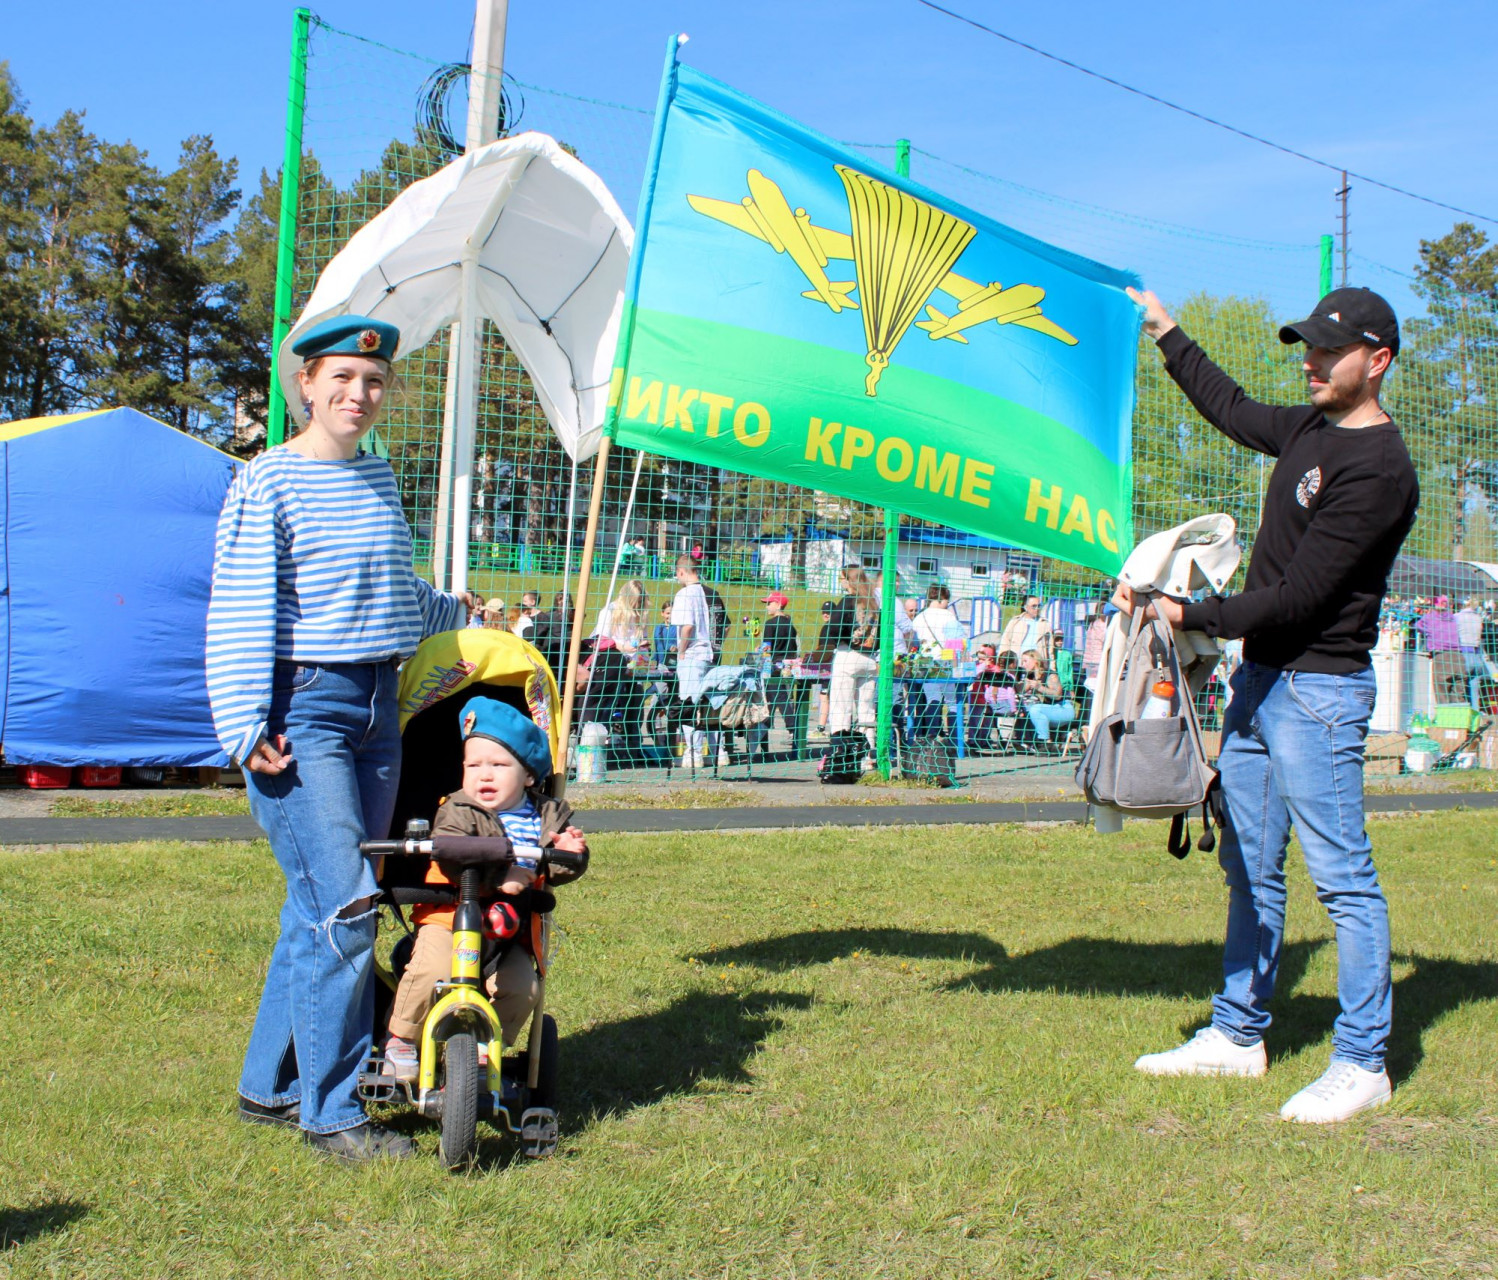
(1206, 119)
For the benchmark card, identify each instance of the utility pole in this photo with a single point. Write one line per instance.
(454, 512)
(1342, 200)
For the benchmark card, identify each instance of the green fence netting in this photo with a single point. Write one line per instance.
(377, 119)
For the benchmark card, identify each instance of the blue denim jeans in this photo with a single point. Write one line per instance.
(316, 1016)
(1045, 716)
(1292, 754)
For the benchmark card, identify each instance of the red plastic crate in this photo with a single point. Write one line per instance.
(91, 775)
(44, 776)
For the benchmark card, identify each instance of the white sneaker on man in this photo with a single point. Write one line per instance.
(1207, 1053)
(1340, 1094)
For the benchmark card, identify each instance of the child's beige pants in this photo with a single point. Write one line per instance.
(513, 987)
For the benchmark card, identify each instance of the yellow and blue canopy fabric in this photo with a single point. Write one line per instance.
(798, 312)
(107, 524)
(452, 661)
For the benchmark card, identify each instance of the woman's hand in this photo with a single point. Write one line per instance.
(269, 759)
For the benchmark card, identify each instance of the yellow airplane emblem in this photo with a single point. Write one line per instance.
(766, 214)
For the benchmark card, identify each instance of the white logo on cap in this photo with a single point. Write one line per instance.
(1335, 315)
(1372, 337)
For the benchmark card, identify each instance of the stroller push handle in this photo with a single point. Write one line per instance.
(471, 850)
(460, 849)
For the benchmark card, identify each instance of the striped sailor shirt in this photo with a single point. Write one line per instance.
(312, 565)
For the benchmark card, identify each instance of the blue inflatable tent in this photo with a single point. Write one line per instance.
(107, 523)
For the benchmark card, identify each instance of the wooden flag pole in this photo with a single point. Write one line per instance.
(579, 612)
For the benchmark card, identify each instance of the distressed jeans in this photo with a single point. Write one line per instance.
(313, 1030)
(1292, 754)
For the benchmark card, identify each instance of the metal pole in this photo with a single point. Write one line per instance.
(455, 468)
(1342, 199)
(465, 418)
(571, 523)
(1326, 266)
(884, 733)
(291, 189)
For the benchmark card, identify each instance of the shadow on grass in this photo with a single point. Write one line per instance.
(20, 1225)
(636, 1062)
(639, 1061)
(1110, 967)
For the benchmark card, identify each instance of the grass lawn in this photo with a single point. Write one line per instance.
(871, 1053)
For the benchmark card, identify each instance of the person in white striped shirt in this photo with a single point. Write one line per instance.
(315, 602)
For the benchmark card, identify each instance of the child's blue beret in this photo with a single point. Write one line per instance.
(349, 336)
(516, 732)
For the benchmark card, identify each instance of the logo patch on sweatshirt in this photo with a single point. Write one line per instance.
(1308, 486)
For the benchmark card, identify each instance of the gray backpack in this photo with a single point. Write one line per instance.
(1150, 768)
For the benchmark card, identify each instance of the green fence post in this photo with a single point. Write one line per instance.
(1326, 266)
(884, 733)
(291, 183)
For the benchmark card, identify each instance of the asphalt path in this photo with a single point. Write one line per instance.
(72, 831)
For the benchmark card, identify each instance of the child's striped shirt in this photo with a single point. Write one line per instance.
(312, 565)
(523, 826)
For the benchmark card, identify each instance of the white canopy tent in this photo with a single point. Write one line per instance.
(517, 232)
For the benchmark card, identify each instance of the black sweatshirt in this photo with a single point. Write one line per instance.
(1339, 504)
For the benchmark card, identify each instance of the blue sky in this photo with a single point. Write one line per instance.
(1407, 99)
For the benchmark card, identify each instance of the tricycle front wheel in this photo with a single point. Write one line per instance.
(460, 1100)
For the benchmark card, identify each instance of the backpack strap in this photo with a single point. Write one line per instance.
(1179, 842)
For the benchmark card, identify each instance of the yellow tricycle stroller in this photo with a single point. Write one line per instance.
(463, 1075)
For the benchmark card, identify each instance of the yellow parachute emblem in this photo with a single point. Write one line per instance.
(903, 251)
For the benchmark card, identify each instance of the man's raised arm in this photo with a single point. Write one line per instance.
(1218, 399)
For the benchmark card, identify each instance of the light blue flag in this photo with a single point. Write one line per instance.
(800, 313)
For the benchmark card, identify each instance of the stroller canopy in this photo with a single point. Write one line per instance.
(435, 685)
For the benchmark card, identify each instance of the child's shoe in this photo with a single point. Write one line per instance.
(401, 1059)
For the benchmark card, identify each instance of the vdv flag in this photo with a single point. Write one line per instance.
(799, 313)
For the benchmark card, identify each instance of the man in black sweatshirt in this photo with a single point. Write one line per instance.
(1340, 502)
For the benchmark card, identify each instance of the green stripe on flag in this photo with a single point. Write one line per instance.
(938, 450)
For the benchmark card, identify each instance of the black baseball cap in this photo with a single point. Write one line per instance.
(827, 605)
(1346, 316)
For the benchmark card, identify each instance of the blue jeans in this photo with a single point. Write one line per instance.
(1047, 715)
(1477, 672)
(1292, 753)
(316, 1016)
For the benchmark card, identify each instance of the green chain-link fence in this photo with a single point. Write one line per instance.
(377, 119)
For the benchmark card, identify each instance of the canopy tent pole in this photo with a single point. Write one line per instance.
(575, 646)
(455, 469)
(465, 424)
(629, 510)
(441, 531)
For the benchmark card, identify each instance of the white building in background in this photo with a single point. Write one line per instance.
(972, 567)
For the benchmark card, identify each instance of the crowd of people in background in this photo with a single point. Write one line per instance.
(1029, 687)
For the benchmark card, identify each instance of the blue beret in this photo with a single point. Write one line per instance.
(349, 336)
(516, 732)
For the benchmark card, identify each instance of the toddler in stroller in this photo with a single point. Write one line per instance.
(505, 758)
(479, 706)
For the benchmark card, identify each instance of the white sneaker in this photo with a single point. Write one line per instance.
(1207, 1053)
(1341, 1093)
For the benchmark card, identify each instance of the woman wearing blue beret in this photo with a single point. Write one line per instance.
(315, 602)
